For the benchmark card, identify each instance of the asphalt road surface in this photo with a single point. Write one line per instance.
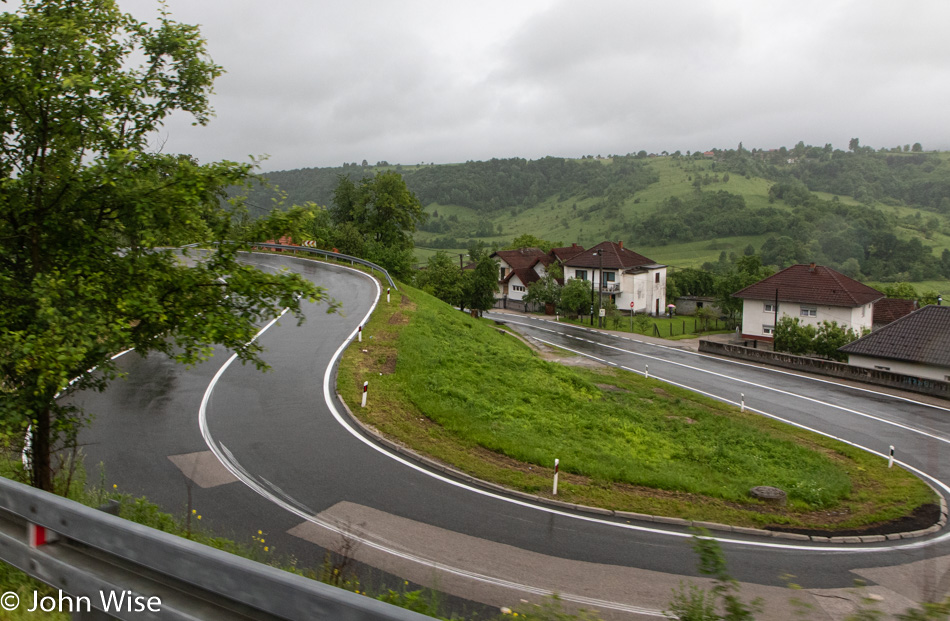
(253, 451)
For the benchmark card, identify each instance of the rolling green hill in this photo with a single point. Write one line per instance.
(880, 215)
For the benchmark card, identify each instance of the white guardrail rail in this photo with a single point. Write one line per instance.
(109, 568)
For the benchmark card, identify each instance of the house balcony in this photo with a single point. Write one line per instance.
(611, 287)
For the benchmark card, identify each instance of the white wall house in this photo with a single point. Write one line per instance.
(917, 344)
(517, 269)
(810, 293)
(628, 278)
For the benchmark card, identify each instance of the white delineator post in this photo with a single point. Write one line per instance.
(647, 374)
(556, 466)
(742, 406)
(890, 461)
(388, 289)
(359, 334)
(365, 388)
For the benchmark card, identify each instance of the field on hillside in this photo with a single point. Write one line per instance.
(589, 220)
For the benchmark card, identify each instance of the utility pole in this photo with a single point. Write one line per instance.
(600, 300)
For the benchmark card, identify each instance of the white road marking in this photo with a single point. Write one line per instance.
(229, 462)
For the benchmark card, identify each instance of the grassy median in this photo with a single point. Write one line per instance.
(465, 392)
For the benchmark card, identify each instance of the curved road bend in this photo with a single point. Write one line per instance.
(309, 471)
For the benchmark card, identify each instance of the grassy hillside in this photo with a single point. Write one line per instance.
(889, 212)
(475, 397)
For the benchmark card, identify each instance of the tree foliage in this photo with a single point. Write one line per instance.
(576, 297)
(384, 214)
(85, 207)
(544, 291)
(479, 285)
(441, 278)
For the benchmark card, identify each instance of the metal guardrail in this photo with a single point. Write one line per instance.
(97, 560)
(326, 253)
(334, 255)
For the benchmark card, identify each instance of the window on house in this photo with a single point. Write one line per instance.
(770, 308)
(609, 276)
(809, 311)
(501, 273)
(580, 274)
(768, 330)
(657, 277)
(518, 288)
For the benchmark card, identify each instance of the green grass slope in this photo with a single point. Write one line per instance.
(469, 394)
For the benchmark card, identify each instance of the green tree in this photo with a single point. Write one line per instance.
(829, 337)
(85, 207)
(917, 148)
(575, 297)
(527, 240)
(793, 336)
(544, 291)
(385, 213)
(441, 278)
(479, 285)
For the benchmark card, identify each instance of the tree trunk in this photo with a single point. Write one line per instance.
(40, 452)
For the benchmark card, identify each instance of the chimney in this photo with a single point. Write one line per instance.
(574, 245)
(620, 243)
(811, 268)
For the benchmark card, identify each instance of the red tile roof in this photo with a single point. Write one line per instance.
(563, 254)
(523, 257)
(922, 336)
(525, 274)
(811, 284)
(615, 256)
(892, 309)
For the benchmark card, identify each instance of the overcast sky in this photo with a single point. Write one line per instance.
(313, 83)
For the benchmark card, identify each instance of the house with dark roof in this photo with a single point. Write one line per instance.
(917, 344)
(563, 254)
(811, 293)
(631, 280)
(890, 310)
(519, 268)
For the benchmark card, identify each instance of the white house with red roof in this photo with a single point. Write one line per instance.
(631, 280)
(811, 293)
(519, 268)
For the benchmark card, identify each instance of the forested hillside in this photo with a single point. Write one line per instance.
(882, 215)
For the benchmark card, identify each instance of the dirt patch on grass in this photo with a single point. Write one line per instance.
(398, 319)
(685, 419)
(922, 517)
(375, 360)
(611, 388)
(406, 304)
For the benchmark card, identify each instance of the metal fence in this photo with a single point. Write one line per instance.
(330, 255)
(100, 562)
